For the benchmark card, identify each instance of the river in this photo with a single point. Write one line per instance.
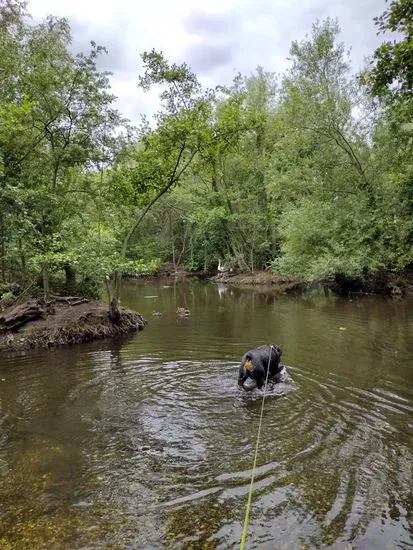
(146, 441)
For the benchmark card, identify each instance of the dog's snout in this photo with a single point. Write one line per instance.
(249, 384)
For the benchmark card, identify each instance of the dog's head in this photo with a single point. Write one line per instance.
(254, 365)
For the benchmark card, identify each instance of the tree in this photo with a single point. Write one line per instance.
(67, 131)
(166, 153)
(232, 218)
(389, 80)
(391, 75)
(321, 163)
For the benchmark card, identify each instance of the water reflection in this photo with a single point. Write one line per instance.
(146, 441)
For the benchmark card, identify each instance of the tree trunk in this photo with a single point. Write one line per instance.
(113, 298)
(3, 251)
(171, 230)
(46, 282)
(70, 283)
(205, 259)
(114, 311)
(183, 245)
(22, 262)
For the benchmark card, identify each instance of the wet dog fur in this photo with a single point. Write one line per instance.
(255, 363)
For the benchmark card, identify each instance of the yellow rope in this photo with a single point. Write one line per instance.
(254, 466)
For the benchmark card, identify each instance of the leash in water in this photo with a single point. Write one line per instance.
(254, 466)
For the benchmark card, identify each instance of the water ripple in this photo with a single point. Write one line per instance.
(152, 436)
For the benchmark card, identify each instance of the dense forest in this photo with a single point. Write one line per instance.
(308, 174)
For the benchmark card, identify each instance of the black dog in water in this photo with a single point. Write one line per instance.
(255, 363)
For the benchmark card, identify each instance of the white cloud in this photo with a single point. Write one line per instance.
(217, 39)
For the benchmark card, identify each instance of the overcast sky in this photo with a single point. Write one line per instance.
(217, 39)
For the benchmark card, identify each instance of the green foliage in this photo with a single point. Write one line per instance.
(391, 76)
(300, 174)
(389, 79)
(56, 123)
(166, 153)
(321, 238)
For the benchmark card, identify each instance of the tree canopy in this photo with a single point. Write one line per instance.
(309, 173)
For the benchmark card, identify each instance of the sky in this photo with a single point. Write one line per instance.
(217, 39)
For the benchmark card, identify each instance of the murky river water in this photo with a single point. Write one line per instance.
(146, 442)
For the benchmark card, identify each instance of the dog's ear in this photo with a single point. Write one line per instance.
(277, 350)
(248, 365)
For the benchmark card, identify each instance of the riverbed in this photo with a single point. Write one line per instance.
(145, 441)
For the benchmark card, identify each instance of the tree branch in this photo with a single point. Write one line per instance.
(174, 177)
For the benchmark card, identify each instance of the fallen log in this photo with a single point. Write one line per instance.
(71, 300)
(22, 314)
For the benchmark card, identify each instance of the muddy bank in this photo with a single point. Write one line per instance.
(168, 272)
(386, 283)
(43, 324)
(260, 278)
(390, 284)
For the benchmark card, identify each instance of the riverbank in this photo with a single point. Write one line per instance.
(395, 285)
(390, 284)
(44, 324)
(167, 272)
(260, 278)
(386, 283)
